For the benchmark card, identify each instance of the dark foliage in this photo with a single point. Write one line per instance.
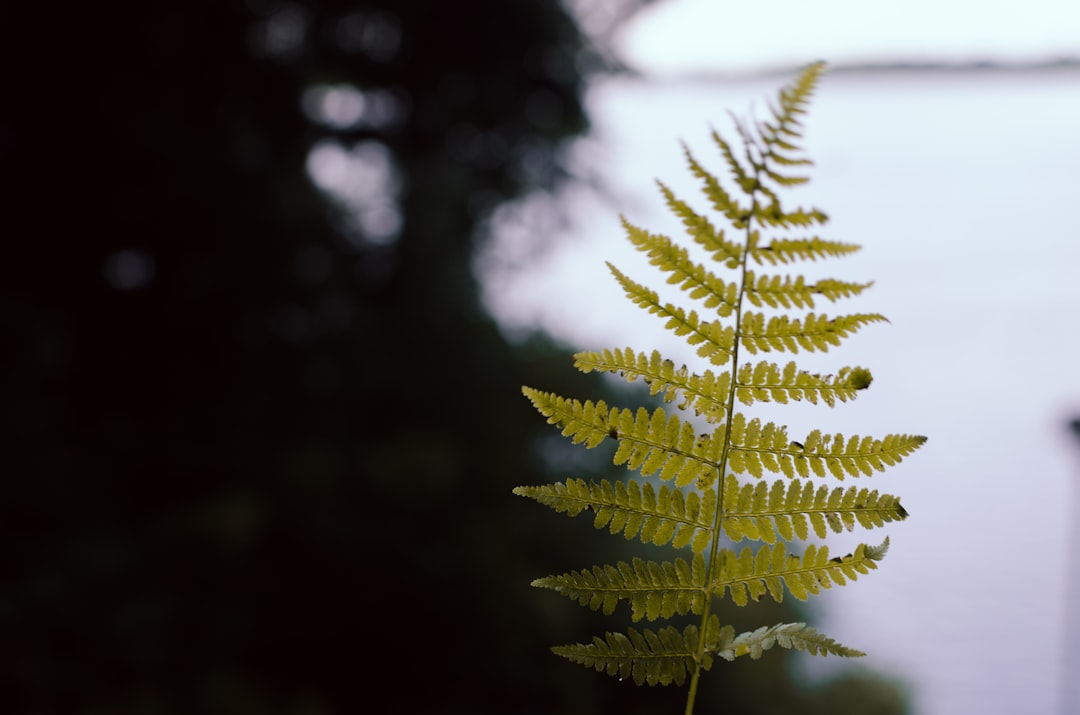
(217, 497)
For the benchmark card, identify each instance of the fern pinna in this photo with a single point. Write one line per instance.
(712, 491)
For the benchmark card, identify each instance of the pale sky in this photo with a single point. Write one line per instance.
(713, 36)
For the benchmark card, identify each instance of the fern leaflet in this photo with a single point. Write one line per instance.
(659, 515)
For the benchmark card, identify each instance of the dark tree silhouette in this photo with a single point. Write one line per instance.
(216, 495)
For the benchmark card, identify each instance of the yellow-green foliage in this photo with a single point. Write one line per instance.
(709, 460)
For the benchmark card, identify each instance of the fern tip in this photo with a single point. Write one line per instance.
(877, 553)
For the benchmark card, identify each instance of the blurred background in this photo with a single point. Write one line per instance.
(279, 268)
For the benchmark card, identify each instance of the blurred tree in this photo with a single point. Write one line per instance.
(242, 238)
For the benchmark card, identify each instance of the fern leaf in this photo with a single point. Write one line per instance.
(749, 575)
(757, 448)
(774, 215)
(854, 456)
(877, 553)
(779, 138)
(649, 442)
(717, 195)
(705, 394)
(794, 100)
(776, 292)
(800, 249)
(657, 657)
(583, 422)
(745, 176)
(657, 443)
(653, 590)
(766, 382)
(759, 333)
(798, 636)
(715, 341)
(689, 276)
(658, 515)
(787, 180)
(703, 232)
(790, 509)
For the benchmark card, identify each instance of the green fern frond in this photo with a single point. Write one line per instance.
(659, 515)
(776, 216)
(703, 232)
(761, 333)
(784, 292)
(798, 636)
(583, 422)
(766, 382)
(746, 177)
(691, 277)
(793, 509)
(713, 491)
(779, 138)
(800, 249)
(653, 590)
(721, 200)
(649, 442)
(655, 443)
(705, 394)
(749, 575)
(877, 553)
(714, 340)
(795, 98)
(657, 657)
(854, 456)
(757, 448)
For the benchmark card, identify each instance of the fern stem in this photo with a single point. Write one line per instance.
(718, 517)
